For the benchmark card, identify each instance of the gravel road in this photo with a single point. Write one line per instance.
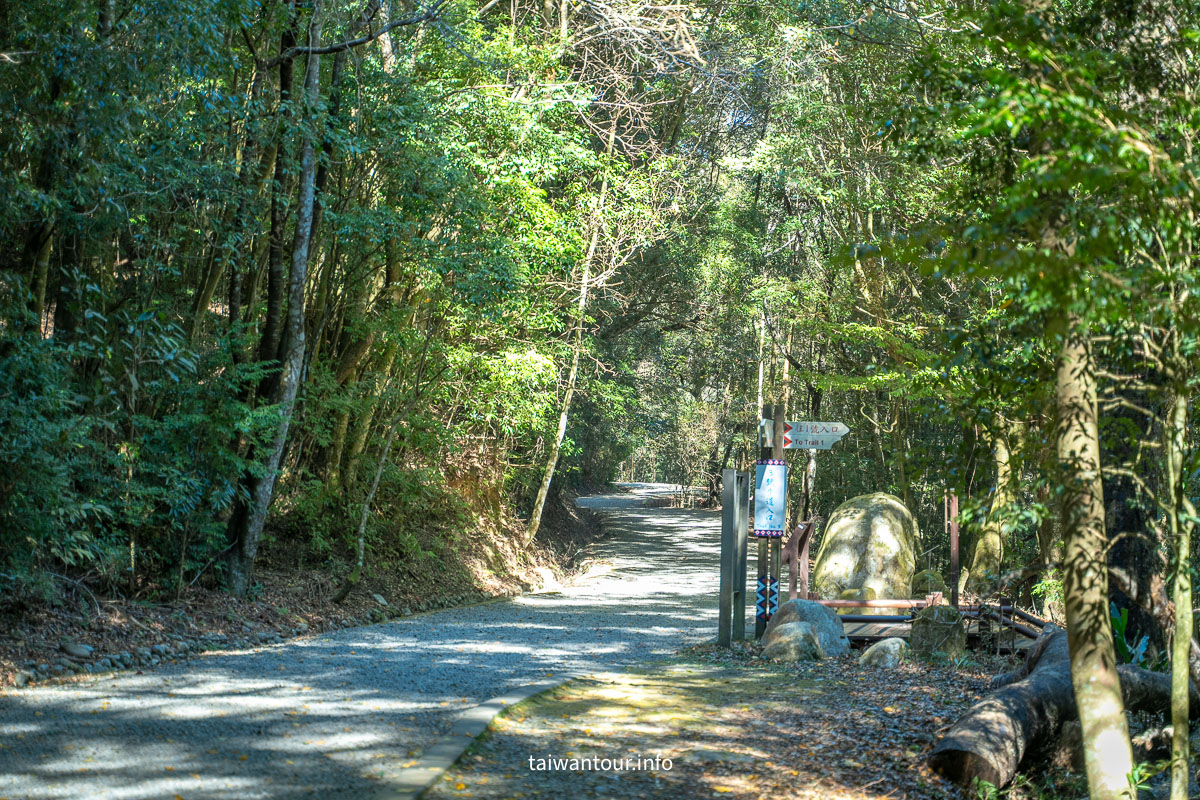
(336, 715)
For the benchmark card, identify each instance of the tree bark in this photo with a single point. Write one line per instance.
(1179, 514)
(246, 526)
(1107, 752)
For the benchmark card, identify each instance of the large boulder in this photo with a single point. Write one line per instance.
(793, 641)
(886, 654)
(939, 629)
(824, 623)
(870, 543)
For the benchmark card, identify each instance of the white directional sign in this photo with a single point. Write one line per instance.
(806, 435)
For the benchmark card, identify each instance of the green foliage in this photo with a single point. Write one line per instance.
(45, 443)
(1127, 653)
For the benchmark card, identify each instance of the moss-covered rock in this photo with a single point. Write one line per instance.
(927, 581)
(870, 542)
(886, 654)
(793, 641)
(825, 625)
(939, 629)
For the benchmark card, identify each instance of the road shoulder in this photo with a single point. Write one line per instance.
(710, 723)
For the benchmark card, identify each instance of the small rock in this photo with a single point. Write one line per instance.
(76, 650)
(301, 627)
(57, 669)
(43, 667)
(161, 649)
(886, 654)
(378, 598)
(104, 663)
(22, 678)
(143, 652)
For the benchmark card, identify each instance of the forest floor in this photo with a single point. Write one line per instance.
(732, 725)
(289, 601)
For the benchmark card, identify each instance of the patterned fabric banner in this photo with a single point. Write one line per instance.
(770, 498)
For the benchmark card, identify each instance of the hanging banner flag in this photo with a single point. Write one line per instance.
(770, 498)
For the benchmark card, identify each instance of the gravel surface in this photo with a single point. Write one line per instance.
(335, 715)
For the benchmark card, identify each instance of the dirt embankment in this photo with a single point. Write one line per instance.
(78, 631)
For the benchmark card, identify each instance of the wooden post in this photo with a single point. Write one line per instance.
(760, 618)
(776, 571)
(728, 534)
(741, 535)
(795, 554)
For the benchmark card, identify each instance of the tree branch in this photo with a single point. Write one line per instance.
(430, 13)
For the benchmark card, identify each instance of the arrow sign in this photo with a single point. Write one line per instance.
(801, 435)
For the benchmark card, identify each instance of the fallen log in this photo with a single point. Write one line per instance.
(1022, 717)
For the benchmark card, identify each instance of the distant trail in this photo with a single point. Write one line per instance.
(335, 715)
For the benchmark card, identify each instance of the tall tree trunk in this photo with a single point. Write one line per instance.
(246, 526)
(1133, 547)
(535, 516)
(989, 549)
(1180, 515)
(1107, 753)
(268, 346)
(809, 479)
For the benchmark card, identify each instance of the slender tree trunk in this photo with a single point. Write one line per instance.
(989, 549)
(268, 346)
(1107, 753)
(1179, 513)
(535, 516)
(248, 520)
(361, 534)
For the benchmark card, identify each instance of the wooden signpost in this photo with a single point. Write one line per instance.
(770, 520)
(770, 523)
(735, 523)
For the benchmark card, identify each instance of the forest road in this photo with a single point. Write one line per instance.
(337, 714)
